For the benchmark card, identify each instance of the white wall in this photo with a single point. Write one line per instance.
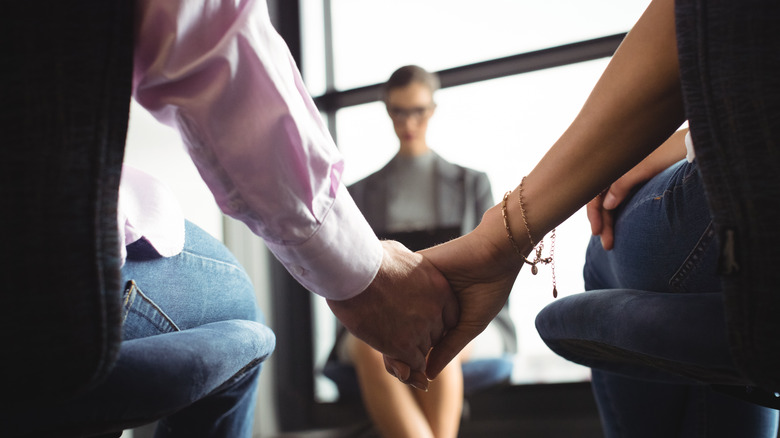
(158, 150)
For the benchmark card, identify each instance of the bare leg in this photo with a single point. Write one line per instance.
(399, 411)
(443, 403)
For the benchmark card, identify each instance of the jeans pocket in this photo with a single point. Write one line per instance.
(141, 317)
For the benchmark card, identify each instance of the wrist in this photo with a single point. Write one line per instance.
(523, 244)
(492, 229)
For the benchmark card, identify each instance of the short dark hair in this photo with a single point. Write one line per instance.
(409, 74)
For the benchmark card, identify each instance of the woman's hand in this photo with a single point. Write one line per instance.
(481, 268)
(601, 209)
(403, 312)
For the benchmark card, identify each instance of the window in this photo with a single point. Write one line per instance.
(498, 123)
(372, 38)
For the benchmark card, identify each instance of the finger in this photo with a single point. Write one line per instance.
(446, 350)
(618, 191)
(450, 305)
(395, 367)
(402, 372)
(450, 312)
(415, 363)
(610, 201)
(608, 230)
(413, 355)
(436, 334)
(593, 210)
(418, 380)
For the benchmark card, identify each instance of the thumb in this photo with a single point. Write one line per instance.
(616, 194)
(620, 189)
(446, 350)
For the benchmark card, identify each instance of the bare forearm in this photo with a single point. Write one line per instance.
(634, 107)
(670, 152)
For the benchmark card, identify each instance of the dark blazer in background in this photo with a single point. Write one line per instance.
(462, 197)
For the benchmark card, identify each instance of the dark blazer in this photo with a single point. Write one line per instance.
(462, 197)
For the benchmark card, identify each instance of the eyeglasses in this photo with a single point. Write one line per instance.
(417, 113)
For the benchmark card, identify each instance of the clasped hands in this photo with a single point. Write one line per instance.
(423, 308)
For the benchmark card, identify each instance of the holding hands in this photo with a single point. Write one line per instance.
(404, 312)
(481, 268)
(423, 308)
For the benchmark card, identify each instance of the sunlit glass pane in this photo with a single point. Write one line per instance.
(373, 38)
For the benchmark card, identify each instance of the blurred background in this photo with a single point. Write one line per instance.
(514, 74)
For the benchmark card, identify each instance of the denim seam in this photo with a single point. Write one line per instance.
(676, 283)
(213, 260)
(140, 294)
(660, 196)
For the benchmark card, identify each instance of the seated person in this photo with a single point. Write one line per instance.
(657, 212)
(420, 199)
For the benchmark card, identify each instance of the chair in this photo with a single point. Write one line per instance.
(65, 104)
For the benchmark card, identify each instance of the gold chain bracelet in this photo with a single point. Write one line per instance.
(538, 248)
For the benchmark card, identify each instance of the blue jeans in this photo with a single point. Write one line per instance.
(655, 303)
(729, 57)
(203, 284)
(665, 243)
(191, 354)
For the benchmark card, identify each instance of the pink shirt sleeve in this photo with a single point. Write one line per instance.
(220, 74)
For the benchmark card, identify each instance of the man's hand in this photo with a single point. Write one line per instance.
(403, 313)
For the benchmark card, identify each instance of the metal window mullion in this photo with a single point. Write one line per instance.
(567, 54)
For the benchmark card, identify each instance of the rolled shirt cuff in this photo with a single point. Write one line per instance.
(341, 258)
